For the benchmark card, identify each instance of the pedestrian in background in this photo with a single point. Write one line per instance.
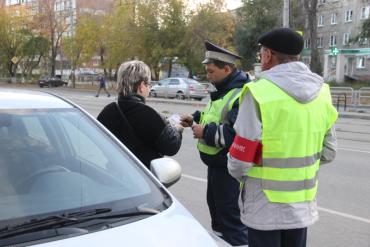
(135, 124)
(102, 85)
(214, 130)
(284, 132)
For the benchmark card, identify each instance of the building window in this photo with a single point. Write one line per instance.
(307, 43)
(365, 12)
(360, 63)
(319, 42)
(333, 40)
(346, 39)
(349, 14)
(363, 41)
(321, 21)
(333, 18)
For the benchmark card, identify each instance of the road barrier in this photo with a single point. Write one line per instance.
(347, 97)
(364, 96)
(342, 96)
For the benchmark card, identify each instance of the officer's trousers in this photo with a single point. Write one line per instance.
(222, 199)
(278, 238)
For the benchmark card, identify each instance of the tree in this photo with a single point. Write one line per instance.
(12, 39)
(148, 37)
(256, 18)
(81, 47)
(365, 30)
(120, 41)
(33, 51)
(311, 10)
(52, 24)
(172, 30)
(208, 23)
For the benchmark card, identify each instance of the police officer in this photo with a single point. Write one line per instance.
(284, 133)
(213, 128)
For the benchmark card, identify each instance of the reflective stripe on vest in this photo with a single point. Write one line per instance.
(292, 139)
(216, 112)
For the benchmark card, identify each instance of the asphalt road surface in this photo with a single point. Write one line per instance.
(344, 190)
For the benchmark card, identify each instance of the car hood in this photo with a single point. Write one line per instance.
(172, 227)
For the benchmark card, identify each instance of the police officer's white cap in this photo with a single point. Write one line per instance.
(214, 52)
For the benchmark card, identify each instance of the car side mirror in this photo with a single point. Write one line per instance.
(167, 170)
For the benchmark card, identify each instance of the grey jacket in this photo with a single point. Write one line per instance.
(257, 212)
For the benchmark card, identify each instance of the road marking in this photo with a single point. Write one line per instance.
(194, 178)
(349, 216)
(355, 150)
(344, 215)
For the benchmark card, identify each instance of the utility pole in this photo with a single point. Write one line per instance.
(286, 13)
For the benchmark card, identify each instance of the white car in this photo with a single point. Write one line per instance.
(179, 88)
(67, 181)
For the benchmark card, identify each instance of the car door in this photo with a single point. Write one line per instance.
(173, 88)
(160, 88)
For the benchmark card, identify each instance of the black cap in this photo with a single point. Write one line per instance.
(283, 40)
(214, 52)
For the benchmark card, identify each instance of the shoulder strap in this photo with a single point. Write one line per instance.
(130, 132)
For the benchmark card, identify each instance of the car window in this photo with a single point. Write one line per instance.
(35, 130)
(174, 82)
(89, 151)
(59, 160)
(191, 81)
(164, 82)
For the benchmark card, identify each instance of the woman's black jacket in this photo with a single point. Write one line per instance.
(141, 128)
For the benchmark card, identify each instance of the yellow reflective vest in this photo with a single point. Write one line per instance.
(292, 141)
(216, 112)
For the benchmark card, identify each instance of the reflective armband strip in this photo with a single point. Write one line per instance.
(246, 150)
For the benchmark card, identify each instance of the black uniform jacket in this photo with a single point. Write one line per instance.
(143, 130)
(211, 133)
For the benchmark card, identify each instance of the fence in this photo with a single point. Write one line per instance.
(347, 97)
(342, 96)
(364, 96)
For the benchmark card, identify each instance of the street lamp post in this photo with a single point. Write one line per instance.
(286, 13)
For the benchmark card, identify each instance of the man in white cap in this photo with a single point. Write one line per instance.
(213, 128)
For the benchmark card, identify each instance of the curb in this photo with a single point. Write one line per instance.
(356, 115)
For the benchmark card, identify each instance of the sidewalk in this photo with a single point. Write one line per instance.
(359, 114)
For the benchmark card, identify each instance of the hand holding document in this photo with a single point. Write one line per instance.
(175, 120)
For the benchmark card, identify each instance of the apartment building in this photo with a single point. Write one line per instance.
(68, 10)
(67, 13)
(343, 56)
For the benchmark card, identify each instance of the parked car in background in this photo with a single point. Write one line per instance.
(209, 87)
(153, 83)
(180, 88)
(65, 180)
(48, 81)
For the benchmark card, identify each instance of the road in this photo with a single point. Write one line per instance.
(344, 190)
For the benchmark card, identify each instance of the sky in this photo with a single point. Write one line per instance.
(233, 4)
(230, 4)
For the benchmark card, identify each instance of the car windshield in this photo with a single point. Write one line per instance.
(53, 161)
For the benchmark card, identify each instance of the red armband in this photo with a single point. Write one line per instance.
(246, 150)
